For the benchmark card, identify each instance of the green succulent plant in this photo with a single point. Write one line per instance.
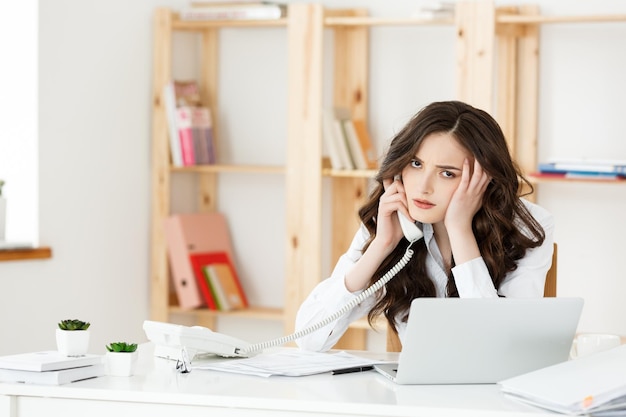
(122, 347)
(73, 325)
(1, 184)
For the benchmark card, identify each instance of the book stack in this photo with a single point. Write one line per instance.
(190, 125)
(347, 140)
(218, 281)
(593, 169)
(49, 368)
(201, 261)
(234, 10)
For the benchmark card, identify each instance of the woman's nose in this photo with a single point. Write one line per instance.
(424, 183)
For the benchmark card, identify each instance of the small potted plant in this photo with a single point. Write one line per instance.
(73, 337)
(121, 358)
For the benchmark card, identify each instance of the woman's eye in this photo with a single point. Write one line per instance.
(416, 164)
(448, 174)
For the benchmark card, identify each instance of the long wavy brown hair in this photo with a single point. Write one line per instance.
(497, 225)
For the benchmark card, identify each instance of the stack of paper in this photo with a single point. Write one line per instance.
(594, 384)
(49, 368)
(290, 362)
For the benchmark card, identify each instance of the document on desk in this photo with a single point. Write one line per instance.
(590, 385)
(289, 362)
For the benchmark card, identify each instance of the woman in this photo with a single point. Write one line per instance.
(449, 169)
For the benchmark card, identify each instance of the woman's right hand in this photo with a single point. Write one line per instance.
(388, 234)
(388, 230)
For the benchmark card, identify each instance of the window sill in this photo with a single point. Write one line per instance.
(25, 254)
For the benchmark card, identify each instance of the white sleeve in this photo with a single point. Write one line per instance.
(328, 297)
(528, 280)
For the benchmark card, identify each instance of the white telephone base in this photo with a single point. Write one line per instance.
(169, 337)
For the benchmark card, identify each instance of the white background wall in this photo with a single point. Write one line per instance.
(95, 62)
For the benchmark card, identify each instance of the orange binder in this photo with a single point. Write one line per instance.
(188, 234)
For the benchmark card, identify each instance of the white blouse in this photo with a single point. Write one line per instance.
(472, 280)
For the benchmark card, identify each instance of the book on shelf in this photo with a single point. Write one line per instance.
(49, 360)
(234, 11)
(198, 262)
(223, 278)
(217, 290)
(202, 132)
(221, 282)
(187, 93)
(361, 146)
(185, 135)
(56, 377)
(574, 175)
(340, 114)
(169, 102)
(330, 142)
(592, 166)
(190, 126)
(588, 385)
(347, 140)
(193, 233)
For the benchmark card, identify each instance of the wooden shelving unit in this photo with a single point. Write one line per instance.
(497, 52)
(166, 23)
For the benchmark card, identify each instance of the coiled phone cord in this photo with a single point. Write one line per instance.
(343, 310)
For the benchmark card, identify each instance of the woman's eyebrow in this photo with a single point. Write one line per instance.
(449, 167)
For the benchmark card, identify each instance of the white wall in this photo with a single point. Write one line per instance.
(94, 166)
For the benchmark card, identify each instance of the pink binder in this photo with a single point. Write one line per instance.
(187, 234)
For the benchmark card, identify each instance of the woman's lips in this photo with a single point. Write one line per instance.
(423, 204)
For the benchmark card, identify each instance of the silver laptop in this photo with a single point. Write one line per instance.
(483, 340)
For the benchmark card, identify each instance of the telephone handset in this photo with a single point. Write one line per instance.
(412, 233)
(198, 339)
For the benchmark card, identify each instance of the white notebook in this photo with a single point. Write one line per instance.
(59, 377)
(589, 384)
(48, 360)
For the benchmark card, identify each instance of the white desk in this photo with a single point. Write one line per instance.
(157, 390)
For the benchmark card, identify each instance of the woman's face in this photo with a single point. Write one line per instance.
(433, 176)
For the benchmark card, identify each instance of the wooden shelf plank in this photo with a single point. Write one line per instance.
(538, 19)
(349, 173)
(198, 25)
(262, 313)
(258, 169)
(25, 254)
(378, 21)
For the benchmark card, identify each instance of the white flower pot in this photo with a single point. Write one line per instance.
(72, 342)
(121, 363)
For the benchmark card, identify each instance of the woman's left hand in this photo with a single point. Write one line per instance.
(467, 199)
